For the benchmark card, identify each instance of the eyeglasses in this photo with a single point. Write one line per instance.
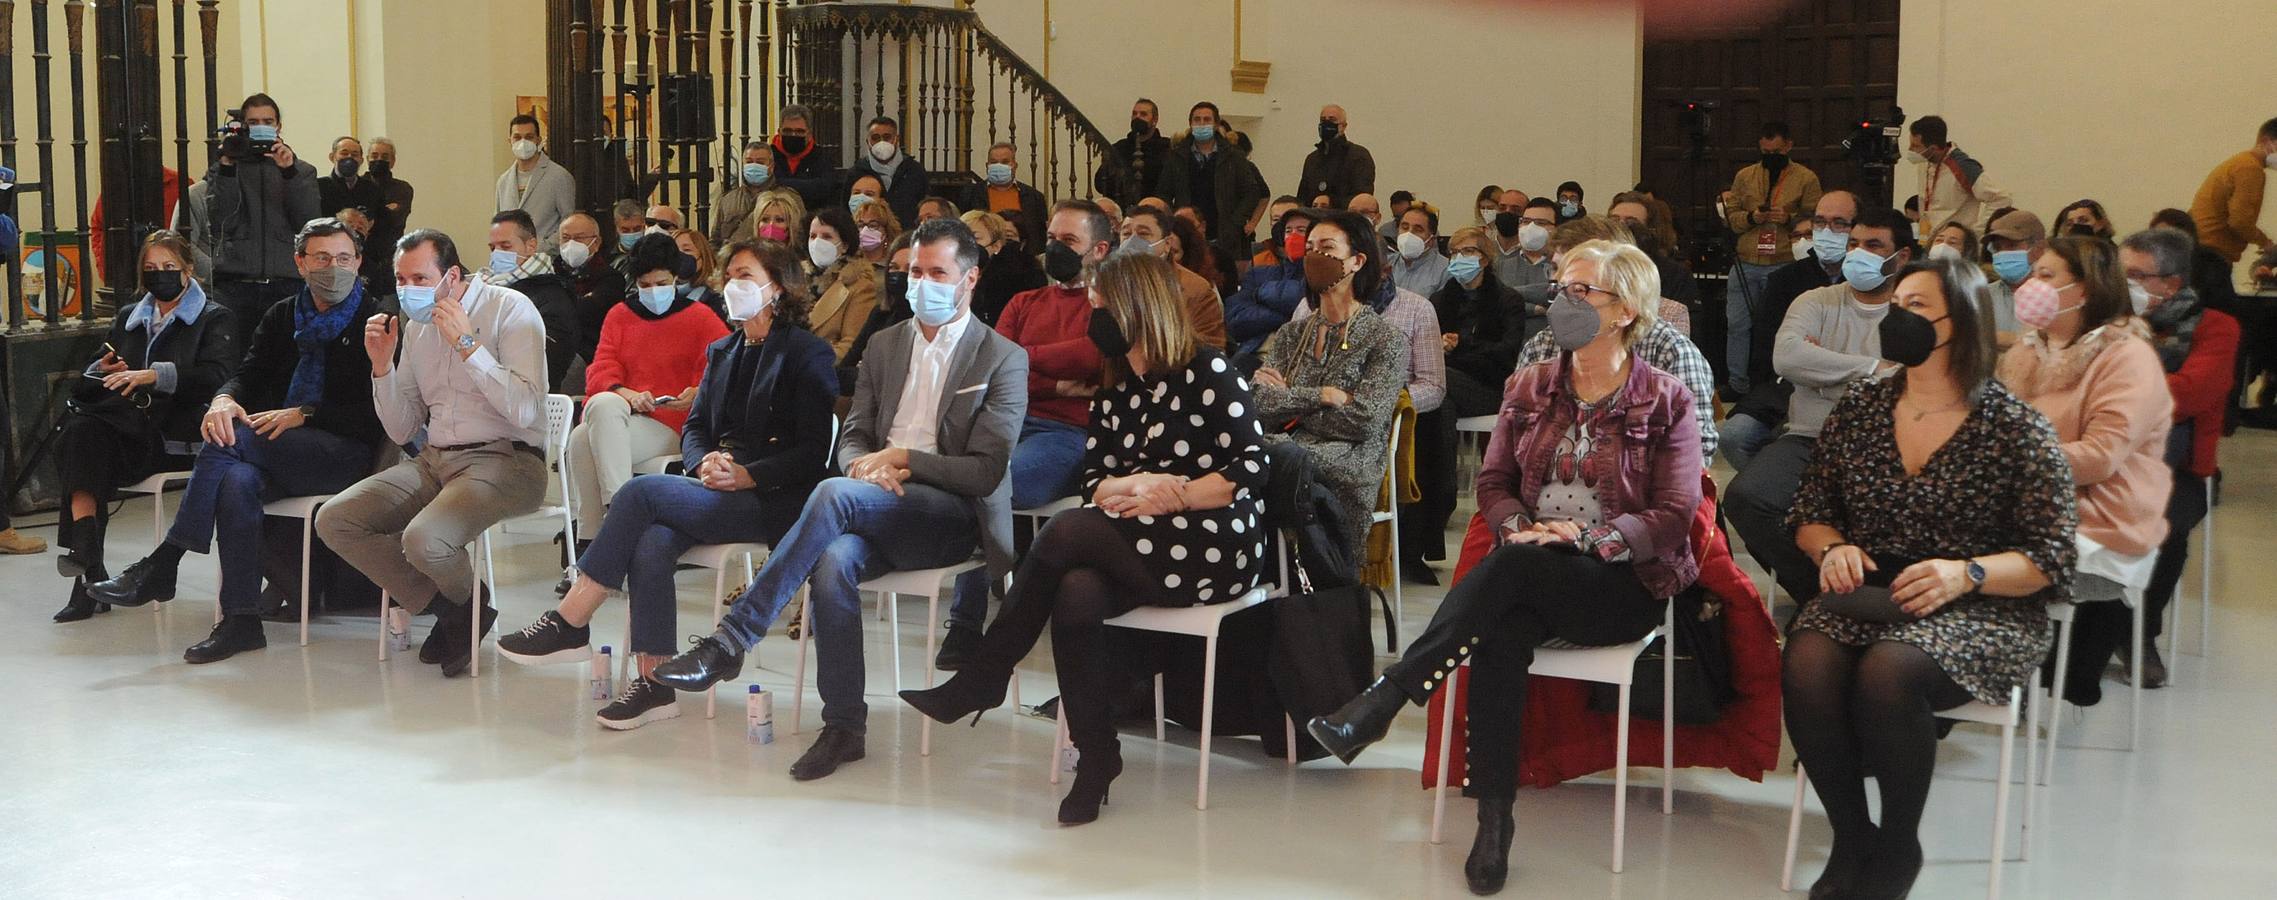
(666, 224)
(1577, 290)
(332, 259)
(1831, 224)
(1530, 220)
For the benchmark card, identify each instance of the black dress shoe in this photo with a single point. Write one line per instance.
(710, 662)
(451, 619)
(231, 636)
(957, 648)
(1488, 866)
(1095, 771)
(970, 692)
(80, 606)
(1363, 721)
(146, 580)
(432, 649)
(832, 748)
(1842, 866)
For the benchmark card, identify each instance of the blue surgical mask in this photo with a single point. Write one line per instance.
(503, 261)
(1829, 244)
(1863, 270)
(1205, 133)
(754, 173)
(999, 174)
(1569, 208)
(658, 297)
(856, 202)
(2012, 265)
(262, 134)
(934, 303)
(417, 302)
(627, 241)
(1463, 268)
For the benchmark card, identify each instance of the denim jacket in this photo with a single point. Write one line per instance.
(1651, 453)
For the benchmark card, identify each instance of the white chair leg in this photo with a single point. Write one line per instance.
(1794, 828)
(2000, 805)
(2135, 672)
(2031, 765)
(384, 603)
(2173, 632)
(1289, 736)
(158, 517)
(1399, 577)
(1059, 739)
(1160, 712)
(932, 618)
(1668, 713)
(1621, 780)
(719, 583)
(474, 609)
(1209, 710)
(2056, 699)
(2206, 580)
(1446, 749)
(892, 603)
(806, 636)
(307, 554)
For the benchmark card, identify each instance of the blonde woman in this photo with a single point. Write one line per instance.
(875, 227)
(1007, 267)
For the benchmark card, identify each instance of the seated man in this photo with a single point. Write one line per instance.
(1269, 294)
(1755, 419)
(516, 263)
(1053, 324)
(315, 433)
(472, 374)
(1830, 340)
(925, 447)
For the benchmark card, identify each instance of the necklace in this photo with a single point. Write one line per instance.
(1920, 413)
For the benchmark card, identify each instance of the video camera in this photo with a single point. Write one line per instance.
(1876, 143)
(238, 142)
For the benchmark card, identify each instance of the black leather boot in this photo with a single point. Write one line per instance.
(1095, 770)
(80, 606)
(1363, 721)
(1489, 863)
(969, 692)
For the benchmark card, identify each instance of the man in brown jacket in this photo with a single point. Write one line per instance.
(1764, 198)
(2228, 205)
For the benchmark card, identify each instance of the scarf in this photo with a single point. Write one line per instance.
(884, 170)
(2174, 324)
(313, 330)
(2035, 367)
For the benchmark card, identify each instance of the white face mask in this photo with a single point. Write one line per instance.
(525, 149)
(1533, 237)
(881, 151)
(746, 298)
(575, 253)
(1801, 248)
(1410, 246)
(1915, 157)
(1944, 251)
(822, 252)
(2139, 296)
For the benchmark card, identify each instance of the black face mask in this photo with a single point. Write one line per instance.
(164, 284)
(1108, 336)
(793, 144)
(347, 168)
(1139, 128)
(1061, 263)
(1908, 337)
(1506, 224)
(1774, 160)
(382, 169)
(2080, 229)
(897, 291)
(1327, 130)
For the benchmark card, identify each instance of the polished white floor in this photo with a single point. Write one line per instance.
(319, 772)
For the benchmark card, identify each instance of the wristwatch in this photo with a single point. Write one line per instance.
(1976, 574)
(466, 343)
(308, 410)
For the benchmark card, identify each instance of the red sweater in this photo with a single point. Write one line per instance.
(1053, 324)
(660, 356)
(2201, 388)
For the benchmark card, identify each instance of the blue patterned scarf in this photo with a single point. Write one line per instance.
(312, 331)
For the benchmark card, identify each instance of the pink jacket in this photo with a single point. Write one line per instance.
(2106, 394)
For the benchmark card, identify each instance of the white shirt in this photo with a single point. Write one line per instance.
(497, 393)
(916, 423)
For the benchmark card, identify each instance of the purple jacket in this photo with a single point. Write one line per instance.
(1652, 455)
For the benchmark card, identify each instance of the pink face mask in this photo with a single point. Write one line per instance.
(2038, 303)
(872, 236)
(774, 232)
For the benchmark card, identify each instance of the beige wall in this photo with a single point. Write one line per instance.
(2127, 104)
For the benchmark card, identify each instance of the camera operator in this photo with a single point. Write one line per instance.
(1765, 197)
(261, 196)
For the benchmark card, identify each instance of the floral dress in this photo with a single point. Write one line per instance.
(1192, 422)
(1999, 484)
(1365, 357)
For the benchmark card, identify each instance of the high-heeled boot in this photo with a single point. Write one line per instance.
(1489, 863)
(81, 541)
(80, 606)
(1095, 770)
(1363, 721)
(971, 692)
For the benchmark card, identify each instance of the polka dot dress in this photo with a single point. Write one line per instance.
(1193, 422)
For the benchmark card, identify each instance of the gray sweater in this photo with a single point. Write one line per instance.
(253, 211)
(1828, 341)
(551, 198)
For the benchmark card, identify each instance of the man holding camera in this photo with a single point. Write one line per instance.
(1764, 198)
(261, 195)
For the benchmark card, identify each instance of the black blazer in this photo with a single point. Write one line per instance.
(783, 438)
(204, 353)
(267, 372)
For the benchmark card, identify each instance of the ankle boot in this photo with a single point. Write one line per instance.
(1843, 864)
(82, 543)
(80, 606)
(970, 691)
(1095, 770)
(1489, 863)
(1363, 721)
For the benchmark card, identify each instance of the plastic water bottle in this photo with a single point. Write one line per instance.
(604, 671)
(759, 715)
(398, 629)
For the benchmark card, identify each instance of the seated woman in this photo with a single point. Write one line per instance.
(752, 458)
(845, 286)
(703, 286)
(314, 433)
(1205, 307)
(2086, 363)
(781, 215)
(1174, 474)
(1962, 507)
(642, 380)
(1007, 267)
(892, 309)
(2084, 218)
(1481, 326)
(1331, 381)
(1591, 480)
(875, 227)
(1958, 240)
(138, 408)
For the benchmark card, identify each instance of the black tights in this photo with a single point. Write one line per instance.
(1080, 572)
(1851, 710)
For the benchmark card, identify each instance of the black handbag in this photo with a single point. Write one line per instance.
(1703, 668)
(1319, 658)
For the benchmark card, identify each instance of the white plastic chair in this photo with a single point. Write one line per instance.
(304, 509)
(2060, 618)
(560, 410)
(1471, 425)
(1203, 622)
(2205, 582)
(1980, 713)
(1615, 664)
(1389, 513)
(156, 486)
(889, 588)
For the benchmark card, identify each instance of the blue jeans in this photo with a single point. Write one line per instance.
(1047, 464)
(1740, 436)
(850, 531)
(1742, 294)
(651, 521)
(229, 484)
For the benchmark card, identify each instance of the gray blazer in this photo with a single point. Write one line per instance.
(982, 405)
(553, 196)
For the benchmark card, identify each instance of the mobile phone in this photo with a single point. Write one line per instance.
(109, 350)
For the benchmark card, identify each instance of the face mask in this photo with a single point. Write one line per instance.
(754, 173)
(2080, 229)
(1774, 160)
(1464, 268)
(1907, 337)
(347, 168)
(1327, 130)
(2038, 303)
(881, 151)
(1205, 133)
(503, 261)
(855, 203)
(658, 298)
(1802, 248)
(1944, 251)
(793, 144)
(164, 284)
(746, 299)
(999, 174)
(1323, 272)
(1410, 246)
(896, 291)
(1061, 263)
(1506, 224)
(575, 253)
(1573, 323)
(1486, 214)
(417, 302)
(1108, 336)
(1569, 208)
(1293, 245)
(261, 134)
(626, 241)
(2012, 265)
(2139, 297)
(1139, 126)
(1134, 246)
(1863, 270)
(1829, 244)
(331, 283)
(933, 302)
(822, 251)
(525, 149)
(1915, 157)
(382, 169)
(1532, 237)
(772, 232)
(871, 236)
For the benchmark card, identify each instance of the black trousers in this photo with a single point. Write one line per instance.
(1423, 524)
(1515, 599)
(96, 455)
